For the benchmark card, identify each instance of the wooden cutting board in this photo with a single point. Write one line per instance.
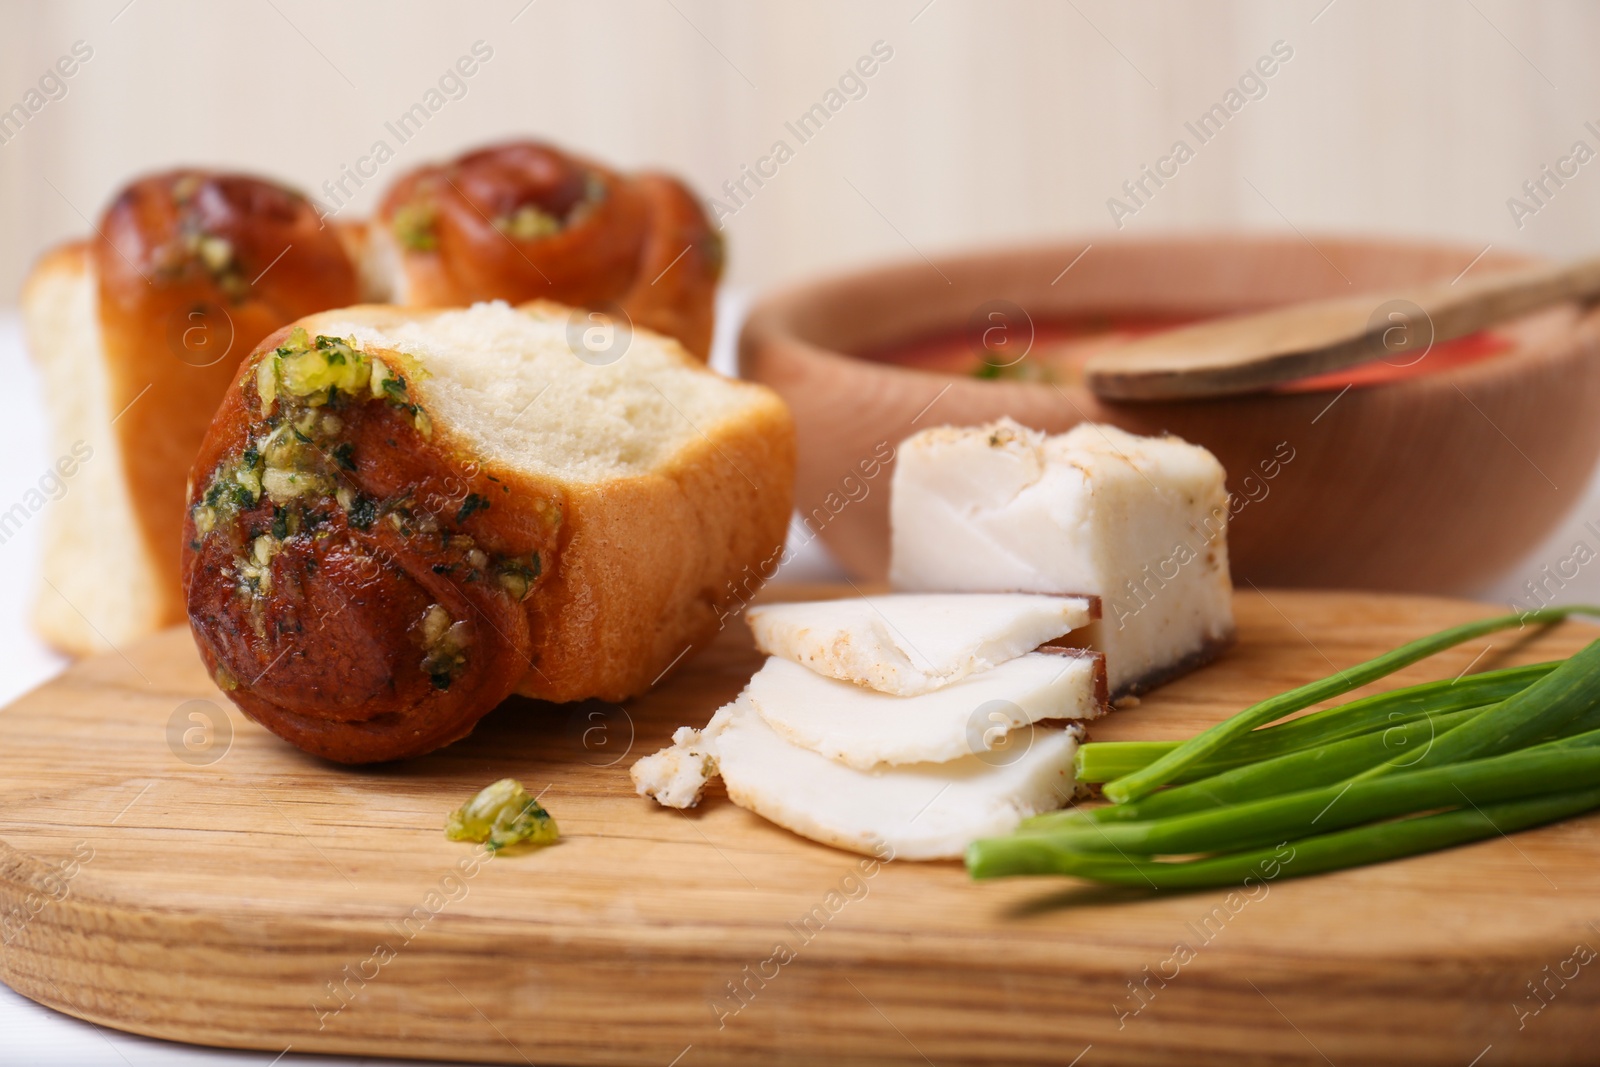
(206, 883)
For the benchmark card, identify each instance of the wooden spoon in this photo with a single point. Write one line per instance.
(1253, 352)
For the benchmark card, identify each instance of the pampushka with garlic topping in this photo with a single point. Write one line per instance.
(398, 518)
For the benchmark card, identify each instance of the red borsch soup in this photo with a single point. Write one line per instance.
(1013, 348)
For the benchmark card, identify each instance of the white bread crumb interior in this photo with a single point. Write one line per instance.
(101, 585)
(511, 381)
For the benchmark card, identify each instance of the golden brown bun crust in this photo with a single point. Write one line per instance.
(630, 573)
(639, 244)
(174, 324)
(649, 567)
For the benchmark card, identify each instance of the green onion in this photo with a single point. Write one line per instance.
(1102, 761)
(1313, 855)
(1294, 772)
(1285, 774)
(1538, 711)
(1534, 772)
(1147, 780)
(1495, 753)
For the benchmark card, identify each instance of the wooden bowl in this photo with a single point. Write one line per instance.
(1433, 482)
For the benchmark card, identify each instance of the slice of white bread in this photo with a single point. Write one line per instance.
(641, 486)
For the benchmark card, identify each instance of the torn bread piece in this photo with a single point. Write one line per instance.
(1139, 521)
(919, 811)
(907, 644)
(864, 729)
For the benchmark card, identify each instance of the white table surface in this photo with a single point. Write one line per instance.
(35, 1036)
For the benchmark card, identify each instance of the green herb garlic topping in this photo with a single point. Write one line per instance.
(195, 249)
(444, 644)
(301, 470)
(517, 576)
(413, 226)
(318, 371)
(502, 814)
(528, 223)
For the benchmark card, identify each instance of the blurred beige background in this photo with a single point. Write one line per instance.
(992, 121)
(981, 123)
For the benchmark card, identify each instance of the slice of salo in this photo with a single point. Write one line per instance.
(863, 728)
(919, 811)
(912, 643)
